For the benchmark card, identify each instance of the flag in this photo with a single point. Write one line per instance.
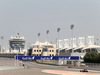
(72, 26)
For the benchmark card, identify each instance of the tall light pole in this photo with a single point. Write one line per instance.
(97, 41)
(2, 43)
(58, 30)
(47, 32)
(38, 43)
(71, 27)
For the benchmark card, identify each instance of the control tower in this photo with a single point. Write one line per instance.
(16, 44)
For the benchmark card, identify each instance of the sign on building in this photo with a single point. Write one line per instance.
(47, 57)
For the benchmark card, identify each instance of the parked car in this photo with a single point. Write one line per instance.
(84, 70)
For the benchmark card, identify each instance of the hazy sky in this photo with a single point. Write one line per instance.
(29, 17)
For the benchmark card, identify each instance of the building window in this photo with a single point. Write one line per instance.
(37, 54)
(52, 50)
(34, 50)
(52, 54)
(35, 47)
(39, 50)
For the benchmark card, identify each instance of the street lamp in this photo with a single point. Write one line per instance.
(38, 43)
(47, 32)
(2, 37)
(97, 41)
(71, 27)
(58, 30)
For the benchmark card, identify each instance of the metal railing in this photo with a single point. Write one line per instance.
(93, 65)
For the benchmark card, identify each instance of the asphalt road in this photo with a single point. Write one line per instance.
(64, 68)
(43, 66)
(30, 71)
(58, 70)
(7, 67)
(39, 69)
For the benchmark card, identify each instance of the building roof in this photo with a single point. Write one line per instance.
(80, 47)
(42, 43)
(16, 37)
(68, 48)
(91, 46)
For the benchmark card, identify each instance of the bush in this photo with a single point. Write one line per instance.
(56, 55)
(92, 57)
(99, 57)
(33, 54)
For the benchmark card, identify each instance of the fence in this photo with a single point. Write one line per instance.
(93, 65)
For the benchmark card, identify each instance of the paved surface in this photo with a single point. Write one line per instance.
(23, 72)
(7, 61)
(59, 72)
(64, 68)
(10, 67)
(7, 67)
(38, 69)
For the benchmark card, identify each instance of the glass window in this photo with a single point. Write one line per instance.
(39, 50)
(34, 50)
(52, 50)
(35, 46)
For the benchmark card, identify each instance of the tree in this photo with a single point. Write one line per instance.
(33, 54)
(56, 55)
(92, 57)
(99, 58)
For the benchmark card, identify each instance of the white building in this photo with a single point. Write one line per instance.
(78, 45)
(16, 44)
(90, 45)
